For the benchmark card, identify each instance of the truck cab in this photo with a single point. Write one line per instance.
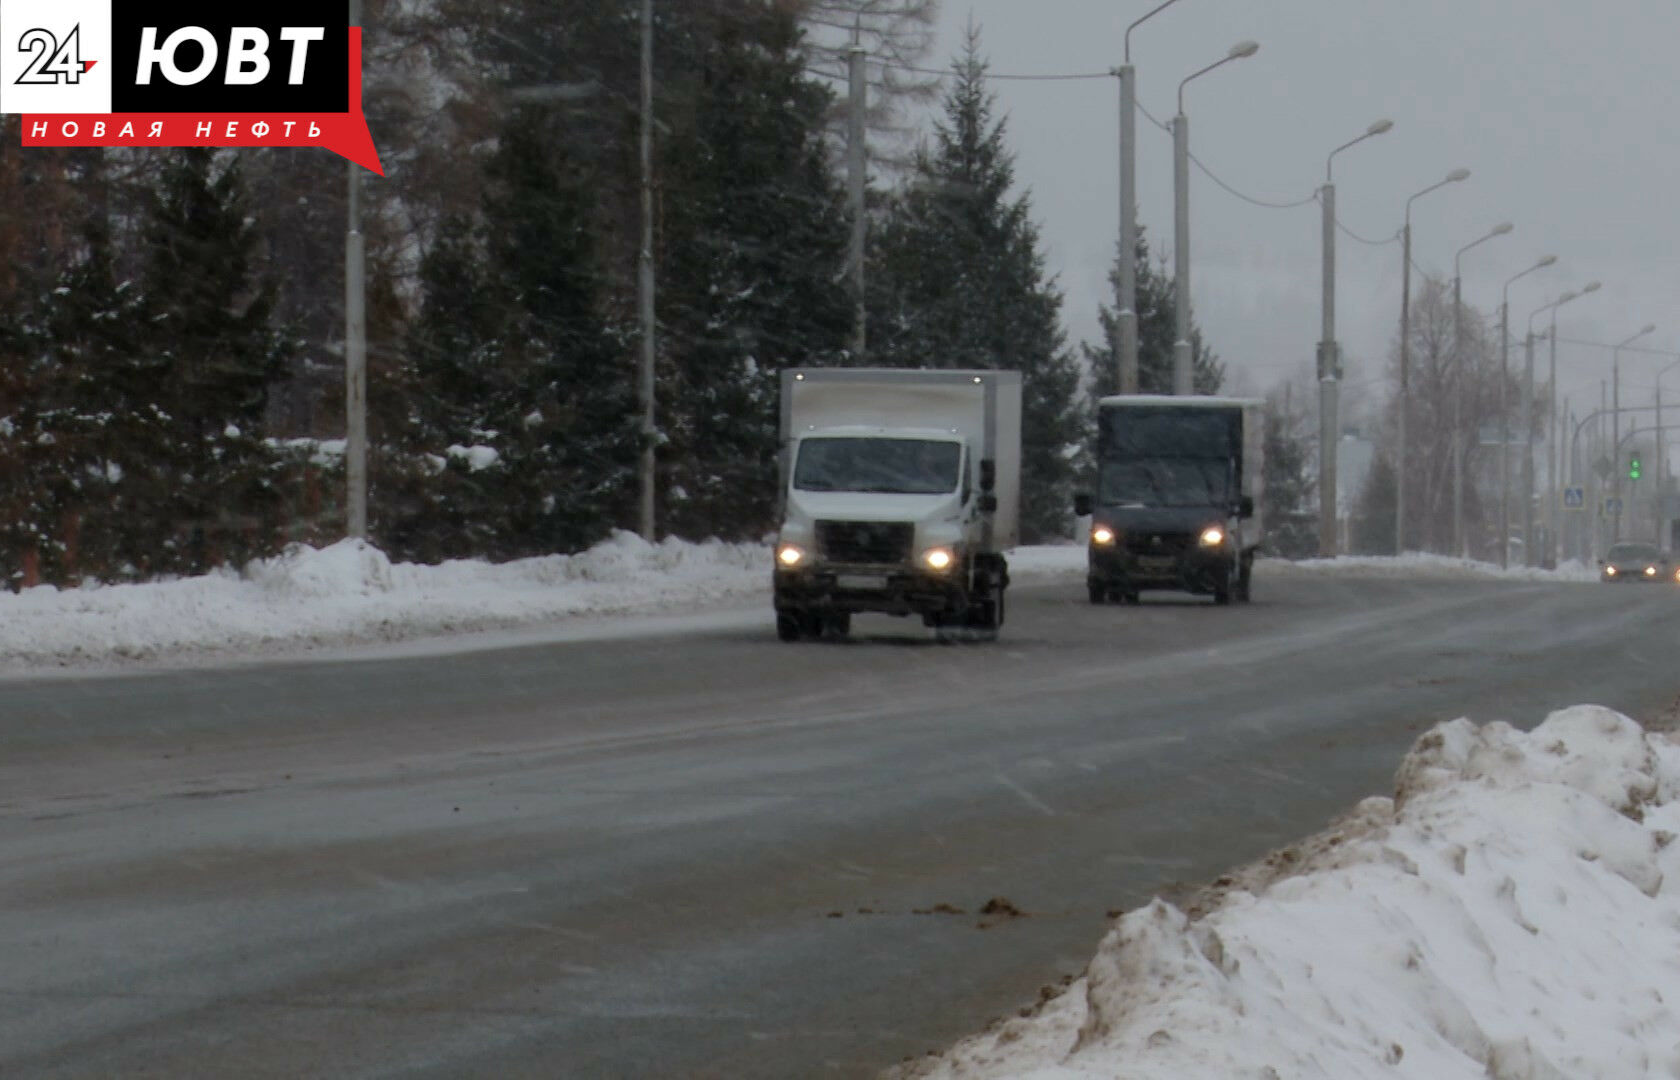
(898, 518)
(1175, 503)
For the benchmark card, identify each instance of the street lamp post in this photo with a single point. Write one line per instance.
(1182, 358)
(1128, 211)
(355, 348)
(1552, 427)
(1330, 361)
(1405, 356)
(1662, 469)
(1616, 426)
(1504, 419)
(1458, 386)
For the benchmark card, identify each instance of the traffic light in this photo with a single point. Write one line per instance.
(1633, 466)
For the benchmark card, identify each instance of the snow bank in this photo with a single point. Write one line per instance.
(1512, 913)
(1418, 565)
(351, 593)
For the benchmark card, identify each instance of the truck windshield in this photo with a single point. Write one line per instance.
(1166, 482)
(888, 466)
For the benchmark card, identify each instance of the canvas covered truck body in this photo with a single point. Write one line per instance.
(900, 495)
(1177, 496)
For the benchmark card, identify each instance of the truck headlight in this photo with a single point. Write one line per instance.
(1650, 571)
(1213, 536)
(1102, 536)
(939, 558)
(790, 555)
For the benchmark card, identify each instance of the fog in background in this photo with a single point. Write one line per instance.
(1563, 111)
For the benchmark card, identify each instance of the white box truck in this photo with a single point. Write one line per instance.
(901, 491)
(1178, 491)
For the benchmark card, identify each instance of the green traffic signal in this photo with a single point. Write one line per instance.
(1633, 467)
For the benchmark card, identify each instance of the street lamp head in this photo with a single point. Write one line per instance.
(1545, 260)
(1242, 50)
(1565, 298)
(1458, 174)
(1591, 286)
(1650, 328)
(1502, 228)
(1379, 127)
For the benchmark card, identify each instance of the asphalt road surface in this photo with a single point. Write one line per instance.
(708, 853)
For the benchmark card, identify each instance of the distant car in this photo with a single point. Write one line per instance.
(1636, 562)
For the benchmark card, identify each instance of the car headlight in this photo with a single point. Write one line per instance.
(1650, 571)
(939, 558)
(1609, 571)
(1213, 536)
(790, 555)
(1102, 535)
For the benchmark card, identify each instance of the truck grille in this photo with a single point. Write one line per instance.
(865, 541)
(1157, 543)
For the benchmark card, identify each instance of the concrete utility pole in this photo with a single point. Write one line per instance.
(1127, 316)
(644, 281)
(1460, 541)
(1183, 357)
(1330, 359)
(355, 350)
(857, 164)
(1528, 448)
(1552, 493)
(1406, 356)
(1616, 466)
(1504, 410)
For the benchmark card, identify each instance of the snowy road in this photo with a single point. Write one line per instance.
(708, 854)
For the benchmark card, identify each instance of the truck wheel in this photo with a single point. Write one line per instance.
(1222, 589)
(1098, 593)
(1244, 579)
(787, 626)
(837, 626)
(986, 618)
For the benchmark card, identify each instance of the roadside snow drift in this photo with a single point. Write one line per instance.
(1512, 913)
(1426, 567)
(351, 593)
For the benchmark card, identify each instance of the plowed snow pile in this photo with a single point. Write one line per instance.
(351, 593)
(1512, 913)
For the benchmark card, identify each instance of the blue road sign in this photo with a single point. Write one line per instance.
(1574, 498)
(1613, 507)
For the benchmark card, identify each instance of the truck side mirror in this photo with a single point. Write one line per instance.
(1245, 508)
(988, 474)
(1082, 504)
(987, 503)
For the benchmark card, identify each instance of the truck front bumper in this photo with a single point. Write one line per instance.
(890, 590)
(1193, 569)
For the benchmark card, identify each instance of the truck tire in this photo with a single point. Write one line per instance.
(1245, 578)
(985, 618)
(1097, 593)
(1222, 589)
(787, 626)
(837, 626)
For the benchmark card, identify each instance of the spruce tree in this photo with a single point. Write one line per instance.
(1157, 319)
(559, 396)
(515, 350)
(754, 249)
(208, 328)
(98, 393)
(957, 281)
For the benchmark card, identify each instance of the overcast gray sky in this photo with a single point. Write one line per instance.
(1565, 112)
